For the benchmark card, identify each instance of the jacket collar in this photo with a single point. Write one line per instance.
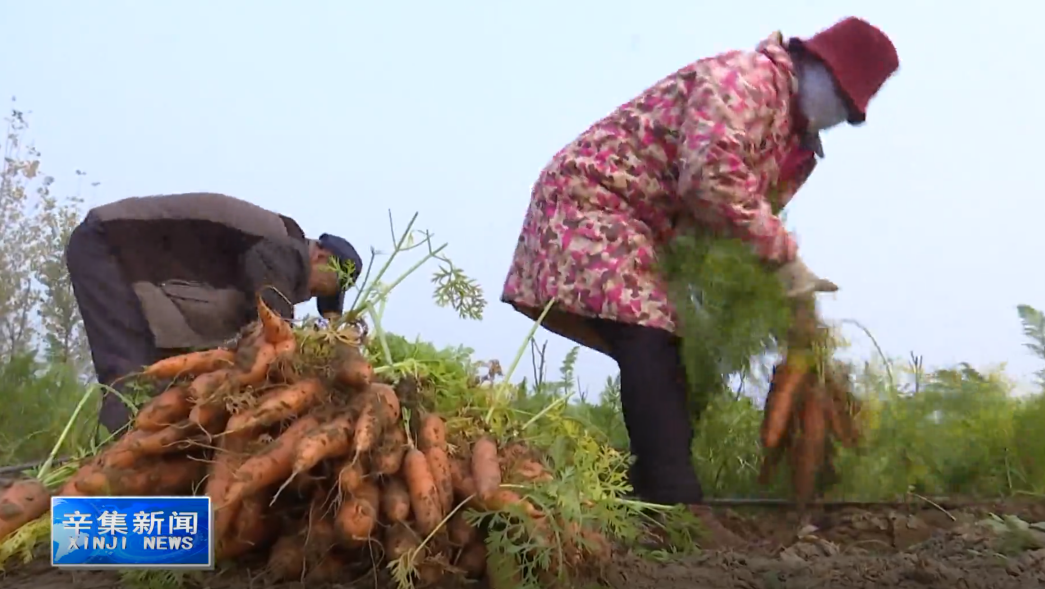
(775, 49)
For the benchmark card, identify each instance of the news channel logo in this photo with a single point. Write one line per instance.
(132, 533)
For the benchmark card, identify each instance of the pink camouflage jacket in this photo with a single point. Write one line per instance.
(719, 143)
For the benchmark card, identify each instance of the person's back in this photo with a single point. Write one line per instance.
(154, 276)
(182, 256)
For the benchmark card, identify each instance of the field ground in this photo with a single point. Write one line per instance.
(919, 547)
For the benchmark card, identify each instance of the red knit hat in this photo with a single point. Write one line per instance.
(859, 55)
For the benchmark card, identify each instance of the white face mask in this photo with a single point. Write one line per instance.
(818, 99)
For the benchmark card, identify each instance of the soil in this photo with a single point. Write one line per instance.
(916, 547)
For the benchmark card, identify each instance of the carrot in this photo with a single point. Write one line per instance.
(21, 503)
(485, 468)
(210, 417)
(368, 428)
(191, 364)
(169, 476)
(122, 454)
(283, 369)
(204, 386)
(439, 466)
(462, 480)
(351, 476)
(331, 568)
(395, 500)
(259, 370)
(70, 488)
(432, 433)
(387, 458)
(388, 401)
(424, 495)
(163, 441)
(531, 471)
(786, 379)
(353, 370)
(327, 441)
(502, 499)
(460, 531)
(472, 560)
(321, 535)
(275, 328)
(219, 480)
(399, 541)
(287, 558)
(279, 404)
(808, 450)
(252, 528)
(276, 463)
(170, 406)
(357, 517)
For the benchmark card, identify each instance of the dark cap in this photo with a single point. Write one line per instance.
(343, 253)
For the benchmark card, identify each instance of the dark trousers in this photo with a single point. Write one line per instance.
(653, 394)
(117, 331)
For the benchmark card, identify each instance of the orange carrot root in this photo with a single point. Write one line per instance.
(278, 405)
(432, 433)
(395, 500)
(21, 503)
(424, 496)
(357, 518)
(170, 406)
(191, 364)
(486, 470)
(329, 440)
(439, 466)
(276, 329)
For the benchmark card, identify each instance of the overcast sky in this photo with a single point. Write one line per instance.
(929, 217)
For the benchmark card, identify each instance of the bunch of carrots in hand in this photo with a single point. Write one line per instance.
(809, 407)
(318, 465)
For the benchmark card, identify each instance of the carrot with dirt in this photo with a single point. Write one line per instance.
(399, 541)
(353, 370)
(163, 441)
(486, 469)
(503, 499)
(387, 458)
(258, 372)
(357, 517)
(350, 476)
(431, 433)
(253, 528)
(462, 480)
(327, 441)
(388, 401)
(260, 471)
(22, 502)
(271, 466)
(123, 453)
(461, 532)
(170, 406)
(209, 417)
(287, 558)
(787, 378)
(439, 466)
(807, 452)
(368, 427)
(472, 560)
(424, 495)
(275, 328)
(203, 387)
(191, 364)
(395, 500)
(278, 405)
(169, 476)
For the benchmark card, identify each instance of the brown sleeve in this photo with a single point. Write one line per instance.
(277, 268)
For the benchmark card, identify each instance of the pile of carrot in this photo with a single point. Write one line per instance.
(324, 468)
(806, 412)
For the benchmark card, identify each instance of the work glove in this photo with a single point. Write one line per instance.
(799, 281)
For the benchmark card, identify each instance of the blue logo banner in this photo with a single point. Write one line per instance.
(131, 532)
